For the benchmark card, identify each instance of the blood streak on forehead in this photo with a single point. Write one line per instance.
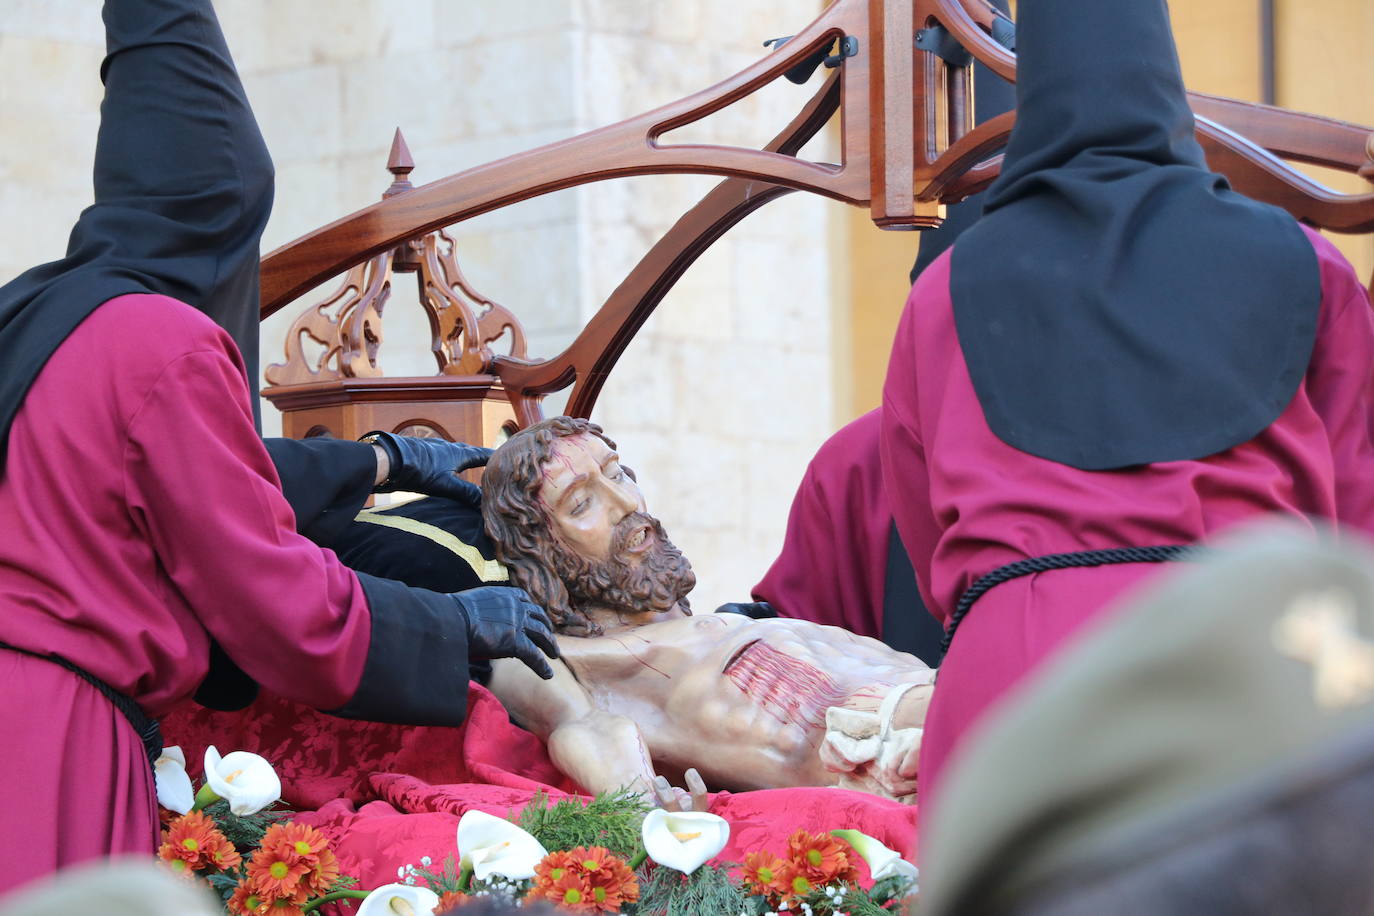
(570, 456)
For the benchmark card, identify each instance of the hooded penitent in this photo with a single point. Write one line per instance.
(188, 228)
(1119, 304)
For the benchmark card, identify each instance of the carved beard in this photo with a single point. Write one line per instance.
(652, 582)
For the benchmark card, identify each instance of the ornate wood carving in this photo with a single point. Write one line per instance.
(342, 391)
(462, 321)
(347, 325)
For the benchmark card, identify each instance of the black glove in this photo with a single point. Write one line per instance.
(430, 466)
(504, 623)
(758, 610)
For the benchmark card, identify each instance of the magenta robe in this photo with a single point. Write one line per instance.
(139, 421)
(966, 503)
(833, 564)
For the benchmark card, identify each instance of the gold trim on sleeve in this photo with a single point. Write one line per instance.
(487, 570)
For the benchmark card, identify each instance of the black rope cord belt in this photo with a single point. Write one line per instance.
(1158, 554)
(148, 731)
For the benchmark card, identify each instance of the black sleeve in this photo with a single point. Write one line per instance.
(432, 543)
(416, 671)
(325, 480)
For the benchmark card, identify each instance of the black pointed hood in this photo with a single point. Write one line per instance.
(183, 189)
(1119, 304)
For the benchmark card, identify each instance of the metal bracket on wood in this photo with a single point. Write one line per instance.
(849, 46)
(937, 40)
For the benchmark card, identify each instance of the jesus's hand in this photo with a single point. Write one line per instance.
(693, 798)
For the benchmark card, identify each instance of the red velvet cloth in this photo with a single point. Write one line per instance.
(387, 794)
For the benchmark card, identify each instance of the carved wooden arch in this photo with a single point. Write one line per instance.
(907, 142)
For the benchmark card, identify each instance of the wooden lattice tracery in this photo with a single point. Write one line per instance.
(332, 376)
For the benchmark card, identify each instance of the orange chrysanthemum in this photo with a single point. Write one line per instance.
(585, 880)
(571, 892)
(244, 902)
(275, 873)
(323, 875)
(222, 853)
(192, 842)
(763, 874)
(299, 839)
(450, 899)
(795, 881)
(550, 869)
(611, 881)
(286, 906)
(820, 858)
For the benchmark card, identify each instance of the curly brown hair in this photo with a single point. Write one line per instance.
(516, 523)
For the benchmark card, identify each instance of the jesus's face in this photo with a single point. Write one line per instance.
(608, 551)
(586, 494)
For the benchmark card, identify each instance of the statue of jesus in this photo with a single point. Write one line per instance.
(644, 687)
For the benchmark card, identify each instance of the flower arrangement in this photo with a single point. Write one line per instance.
(631, 859)
(613, 854)
(231, 835)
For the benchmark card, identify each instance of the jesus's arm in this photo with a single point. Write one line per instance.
(598, 750)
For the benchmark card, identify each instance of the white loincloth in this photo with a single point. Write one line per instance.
(868, 753)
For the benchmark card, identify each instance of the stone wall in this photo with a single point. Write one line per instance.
(725, 393)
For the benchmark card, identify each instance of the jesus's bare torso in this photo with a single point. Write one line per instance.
(741, 700)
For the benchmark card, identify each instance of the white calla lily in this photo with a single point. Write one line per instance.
(490, 845)
(399, 900)
(882, 861)
(244, 779)
(684, 840)
(174, 791)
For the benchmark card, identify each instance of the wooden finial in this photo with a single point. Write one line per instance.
(405, 257)
(399, 163)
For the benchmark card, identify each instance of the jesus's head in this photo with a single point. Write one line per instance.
(569, 522)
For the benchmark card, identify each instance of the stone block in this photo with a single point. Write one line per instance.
(46, 213)
(782, 290)
(624, 75)
(58, 21)
(307, 197)
(466, 23)
(51, 140)
(300, 112)
(702, 305)
(501, 92)
(640, 392)
(422, 92)
(772, 476)
(727, 565)
(299, 33)
(620, 17)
